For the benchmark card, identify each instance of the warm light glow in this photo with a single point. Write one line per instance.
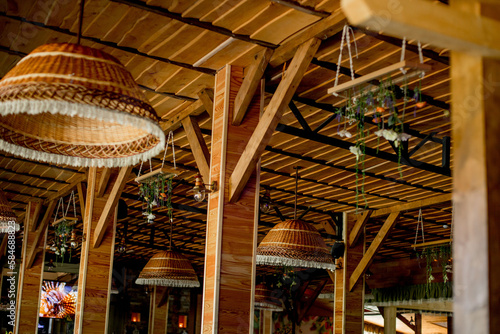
(136, 317)
(183, 321)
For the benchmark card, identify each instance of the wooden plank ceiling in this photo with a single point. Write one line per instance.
(173, 50)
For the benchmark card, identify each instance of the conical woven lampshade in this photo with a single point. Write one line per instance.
(8, 219)
(75, 105)
(294, 243)
(169, 268)
(264, 299)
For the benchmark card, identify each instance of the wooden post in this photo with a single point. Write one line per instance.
(390, 320)
(418, 323)
(30, 278)
(475, 83)
(348, 305)
(267, 324)
(450, 325)
(229, 257)
(158, 314)
(96, 264)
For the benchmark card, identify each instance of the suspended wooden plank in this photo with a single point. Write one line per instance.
(433, 243)
(70, 221)
(395, 72)
(165, 170)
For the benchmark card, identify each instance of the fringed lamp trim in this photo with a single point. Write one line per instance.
(267, 306)
(283, 261)
(168, 282)
(34, 107)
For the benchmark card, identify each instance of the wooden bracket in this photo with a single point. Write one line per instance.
(110, 205)
(198, 147)
(40, 232)
(207, 98)
(270, 118)
(358, 227)
(101, 188)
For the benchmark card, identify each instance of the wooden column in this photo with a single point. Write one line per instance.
(476, 186)
(267, 324)
(96, 262)
(158, 311)
(390, 320)
(450, 325)
(418, 323)
(348, 306)
(30, 276)
(231, 228)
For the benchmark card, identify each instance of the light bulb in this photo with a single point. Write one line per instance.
(122, 248)
(199, 196)
(74, 244)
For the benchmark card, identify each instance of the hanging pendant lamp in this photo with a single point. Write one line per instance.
(169, 268)
(74, 105)
(294, 243)
(264, 299)
(8, 219)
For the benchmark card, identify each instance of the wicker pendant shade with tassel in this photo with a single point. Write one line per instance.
(74, 105)
(294, 243)
(169, 268)
(8, 219)
(264, 299)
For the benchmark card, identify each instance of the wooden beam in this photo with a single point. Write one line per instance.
(372, 250)
(358, 227)
(207, 98)
(194, 109)
(158, 314)
(270, 118)
(198, 147)
(406, 322)
(250, 83)
(111, 202)
(433, 23)
(329, 226)
(103, 182)
(390, 319)
(37, 208)
(81, 196)
(40, 233)
(321, 29)
(302, 8)
(412, 205)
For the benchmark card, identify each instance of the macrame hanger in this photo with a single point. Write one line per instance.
(420, 222)
(71, 197)
(346, 37)
(420, 58)
(403, 49)
(169, 138)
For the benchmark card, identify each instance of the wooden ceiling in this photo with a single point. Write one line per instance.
(173, 49)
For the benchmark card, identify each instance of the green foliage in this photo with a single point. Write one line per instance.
(156, 191)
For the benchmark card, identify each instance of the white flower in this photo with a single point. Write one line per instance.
(151, 216)
(390, 135)
(379, 133)
(403, 136)
(356, 151)
(154, 202)
(344, 133)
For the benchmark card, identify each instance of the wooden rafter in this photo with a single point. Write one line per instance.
(37, 208)
(111, 202)
(372, 250)
(406, 322)
(432, 23)
(66, 189)
(250, 83)
(82, 192)
(270, 118)
(207, 98)
(40, 232)
(103, 182)
(198, 147)
(302, 8)
(322, 29)
(194, 109)
(412, 205)
(358, 227)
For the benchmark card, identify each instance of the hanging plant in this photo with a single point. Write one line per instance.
(64, 234)
(155, 187)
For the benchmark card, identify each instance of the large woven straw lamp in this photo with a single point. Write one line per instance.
(294, 243)
(264, 299)
(169, 268)
(74, 105)
(8, 219)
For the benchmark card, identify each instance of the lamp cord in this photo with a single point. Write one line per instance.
(80, 21)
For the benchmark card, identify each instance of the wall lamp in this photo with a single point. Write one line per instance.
(199, 189)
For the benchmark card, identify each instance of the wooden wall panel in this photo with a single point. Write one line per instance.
(231, 228)
(30, 279)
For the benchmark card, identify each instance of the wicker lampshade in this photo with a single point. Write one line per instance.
(75, 105)
(264, 300)
(294, 243)
(8, 219)
(169, 268)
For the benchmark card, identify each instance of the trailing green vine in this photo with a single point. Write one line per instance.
(156, 191)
